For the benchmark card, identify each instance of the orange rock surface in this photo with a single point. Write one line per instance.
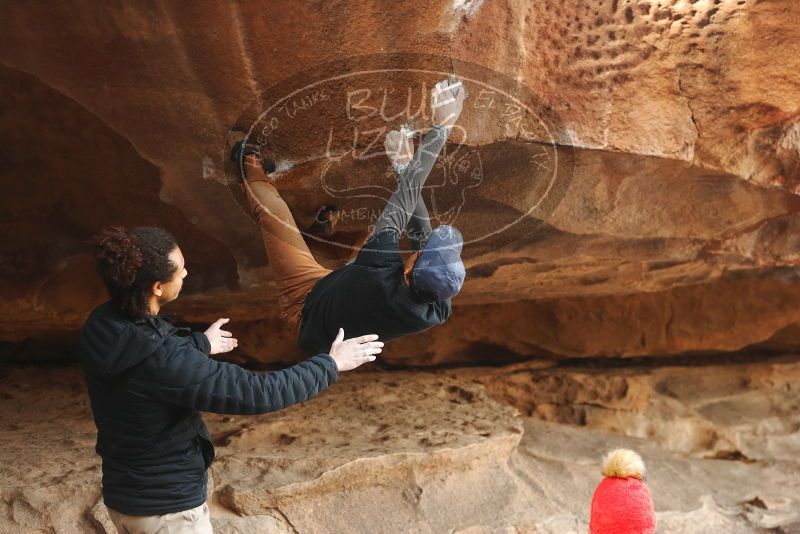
(677, 124)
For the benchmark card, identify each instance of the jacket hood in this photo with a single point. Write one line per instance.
(111, 344)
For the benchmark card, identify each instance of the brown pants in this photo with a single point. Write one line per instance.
(296, 271)
(194, 521)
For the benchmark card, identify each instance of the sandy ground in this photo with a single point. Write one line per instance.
(422, 452)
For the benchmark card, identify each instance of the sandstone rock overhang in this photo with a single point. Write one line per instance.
(680, 120)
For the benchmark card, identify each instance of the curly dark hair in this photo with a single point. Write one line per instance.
(130, 262)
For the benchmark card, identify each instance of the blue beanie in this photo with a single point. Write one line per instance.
(439, 270)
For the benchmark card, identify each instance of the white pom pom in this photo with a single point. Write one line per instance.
(623, 463)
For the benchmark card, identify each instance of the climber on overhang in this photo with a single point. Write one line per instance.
(376, 293)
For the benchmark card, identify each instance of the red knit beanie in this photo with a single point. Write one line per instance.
(622, 504)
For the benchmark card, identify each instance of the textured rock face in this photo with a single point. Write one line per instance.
(425, 452)
(65, 174)
(735, 411)
(675, 224)
(670, 228)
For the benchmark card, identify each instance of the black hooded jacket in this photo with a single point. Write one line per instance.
(147, 381)
(368, 296)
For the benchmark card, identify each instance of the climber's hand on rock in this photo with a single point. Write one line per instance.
(349, 354)
(447, 101)
(399, 147)
(220, 340)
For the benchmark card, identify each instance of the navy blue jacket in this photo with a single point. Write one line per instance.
(147, 382)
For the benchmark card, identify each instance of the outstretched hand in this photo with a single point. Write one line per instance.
(399, 147)
(221, 340)
(353, 352)
(447, 101)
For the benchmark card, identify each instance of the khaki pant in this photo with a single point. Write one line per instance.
(296, 271)
(194, 521)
